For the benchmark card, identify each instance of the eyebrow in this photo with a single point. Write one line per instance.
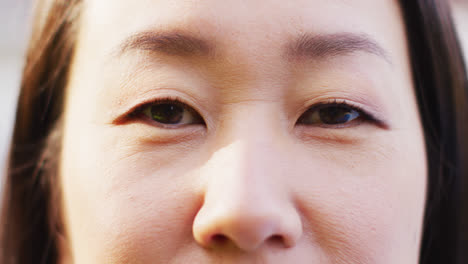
(170, 43)
(332, 45)
(311, 46)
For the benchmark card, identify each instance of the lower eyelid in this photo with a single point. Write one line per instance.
(150, 134)
(332, 137)
(153, 123)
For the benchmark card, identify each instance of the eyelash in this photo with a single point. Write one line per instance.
(345, 104)
(137, 112)
(169, 99)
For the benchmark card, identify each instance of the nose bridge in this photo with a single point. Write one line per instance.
(243, 170)
(255, 126)
(250, 153)
(248, 149)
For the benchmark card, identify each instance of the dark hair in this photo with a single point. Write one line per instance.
(441, 88)
(30, 228)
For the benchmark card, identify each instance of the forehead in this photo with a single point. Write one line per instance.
(241, 23)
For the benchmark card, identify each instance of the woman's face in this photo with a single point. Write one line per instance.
(210, 131)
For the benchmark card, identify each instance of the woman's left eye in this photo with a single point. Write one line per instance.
(172, 113)
(333, 115)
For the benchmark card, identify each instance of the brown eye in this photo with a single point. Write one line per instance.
(172, 113)
(329, 115)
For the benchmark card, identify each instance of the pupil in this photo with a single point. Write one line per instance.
(167, 113)
(336, 115)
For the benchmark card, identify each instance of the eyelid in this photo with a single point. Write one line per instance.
(138, 109)
(367, 115)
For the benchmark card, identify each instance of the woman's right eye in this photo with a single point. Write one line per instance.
(172, 113)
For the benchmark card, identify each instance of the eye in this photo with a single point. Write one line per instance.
(171, 112)
(333, 114)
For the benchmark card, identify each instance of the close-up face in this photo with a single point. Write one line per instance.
(260, 131)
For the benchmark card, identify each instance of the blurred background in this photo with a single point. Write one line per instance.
(15, 16)
(14, 25)
(460, 11)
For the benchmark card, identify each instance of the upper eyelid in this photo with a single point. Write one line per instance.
(351, 106)
(335, 102)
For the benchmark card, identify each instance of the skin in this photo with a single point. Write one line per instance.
(252, 184)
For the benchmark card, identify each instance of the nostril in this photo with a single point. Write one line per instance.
(219, 239)
(277, 240)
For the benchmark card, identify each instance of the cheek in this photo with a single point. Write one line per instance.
(365, 203)
(125, 205)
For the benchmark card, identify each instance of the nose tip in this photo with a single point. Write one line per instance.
(246, 230)
(245, 202)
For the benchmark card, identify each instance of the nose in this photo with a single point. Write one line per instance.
(246, 202)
